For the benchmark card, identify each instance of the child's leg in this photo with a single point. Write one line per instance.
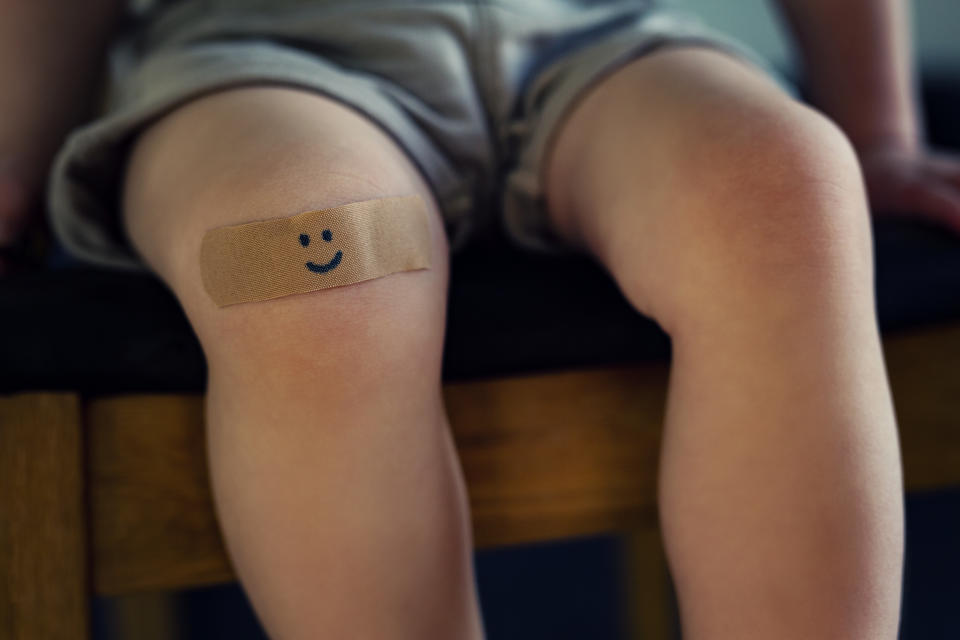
(737, 219)
(336, 482)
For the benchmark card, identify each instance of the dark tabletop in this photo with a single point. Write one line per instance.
(104, 331)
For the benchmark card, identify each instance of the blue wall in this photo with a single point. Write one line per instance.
(936, 28)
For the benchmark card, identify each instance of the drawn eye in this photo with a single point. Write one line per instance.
(327, 235)
(304, 239)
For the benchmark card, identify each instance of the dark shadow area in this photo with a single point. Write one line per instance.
(566, 590)
(570, 590)
(96, 331)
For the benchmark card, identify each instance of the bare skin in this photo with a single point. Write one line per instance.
(335, 477)
(736, 218)
(857, 56)
(780, 476)
(858, 59)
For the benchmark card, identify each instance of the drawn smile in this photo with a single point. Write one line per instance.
(322, 268)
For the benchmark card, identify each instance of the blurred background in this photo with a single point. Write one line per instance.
(936, 29)
(574, 589)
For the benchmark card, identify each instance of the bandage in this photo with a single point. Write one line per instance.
(315, 250)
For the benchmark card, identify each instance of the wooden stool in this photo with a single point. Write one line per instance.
(110, 495)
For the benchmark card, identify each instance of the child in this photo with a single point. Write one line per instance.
(729, 212)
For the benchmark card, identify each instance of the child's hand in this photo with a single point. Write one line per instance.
(17, 207)
(914, 183)
(15, 200)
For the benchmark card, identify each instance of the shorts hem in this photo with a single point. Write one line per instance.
(85, 179)
(525, 215)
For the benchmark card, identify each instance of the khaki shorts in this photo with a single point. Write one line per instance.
(471, 90)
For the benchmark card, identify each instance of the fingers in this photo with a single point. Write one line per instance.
(925, 187)
(15, 205)
(16, 208)
(934, 200)
(946, 166)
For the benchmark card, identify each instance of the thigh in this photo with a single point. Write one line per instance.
(680, 165)
(263, 152)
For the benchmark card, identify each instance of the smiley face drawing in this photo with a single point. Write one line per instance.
(322, 268)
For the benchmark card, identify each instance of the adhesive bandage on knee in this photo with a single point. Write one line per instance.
(315, 250)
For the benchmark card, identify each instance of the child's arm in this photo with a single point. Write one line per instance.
(858, 63)
(859, 68)
(50, 54)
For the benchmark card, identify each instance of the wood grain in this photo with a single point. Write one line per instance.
(535, 471)
(560, 454)
(43, 552)
(145, 615)
(649, 600)
(152, 515)
(545, 456)
(924, 370)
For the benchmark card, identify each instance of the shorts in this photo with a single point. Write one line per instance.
(470, 89)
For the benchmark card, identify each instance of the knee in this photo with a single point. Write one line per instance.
(348, 343)
(355, 337)
(351, 340)
(778, 187)
(769, 202)
(253, 155)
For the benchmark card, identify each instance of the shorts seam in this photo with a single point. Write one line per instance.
(581, 71)
(97, 240)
